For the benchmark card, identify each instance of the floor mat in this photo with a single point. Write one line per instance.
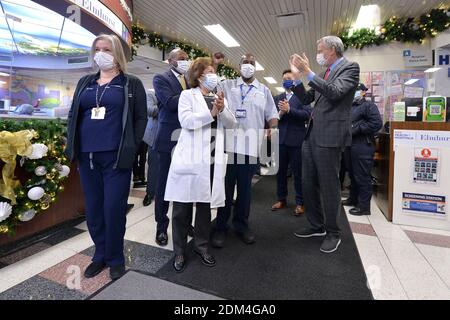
(279, 266)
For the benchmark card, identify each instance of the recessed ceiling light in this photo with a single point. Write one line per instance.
(431, 70)
(280, 89)
(411, 82)
(270, 80)
(259, 67)
(369, 17)
(220, 33)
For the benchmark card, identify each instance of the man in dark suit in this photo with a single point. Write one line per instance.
(292, 130)
(329, 132)
(168, 88)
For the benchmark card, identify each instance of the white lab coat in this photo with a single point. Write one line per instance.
(189, 179)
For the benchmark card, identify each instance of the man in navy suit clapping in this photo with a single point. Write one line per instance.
(292, 126)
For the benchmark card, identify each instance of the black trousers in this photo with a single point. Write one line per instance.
(359, 159)
(290, 156)
(140, 161)
(321, 185)
(240, 175)
(181, 220)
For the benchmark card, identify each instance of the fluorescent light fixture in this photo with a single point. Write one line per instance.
(2, 83)
(280, 89)
(259, 67)
(3, 74)
(220, 33)
(432, 70)
(411, 82)
(270, 80)
(369, 17)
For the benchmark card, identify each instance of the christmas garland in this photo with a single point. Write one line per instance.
(47, 169)
(413, 30)
(156, 41)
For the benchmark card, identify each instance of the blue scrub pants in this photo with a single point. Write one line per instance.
(106, 194)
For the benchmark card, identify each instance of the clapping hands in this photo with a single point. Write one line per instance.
(284, 107)
(219, 104)
(299, 65)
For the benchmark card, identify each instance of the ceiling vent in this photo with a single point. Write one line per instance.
(296, 20)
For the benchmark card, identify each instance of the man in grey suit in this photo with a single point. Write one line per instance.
(329, 132)
(149, 138)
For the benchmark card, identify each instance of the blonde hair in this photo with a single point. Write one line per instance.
(117, 50)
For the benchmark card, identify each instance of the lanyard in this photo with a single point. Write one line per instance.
(99, 101)
(243, 97)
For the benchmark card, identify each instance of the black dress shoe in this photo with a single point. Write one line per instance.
(116, 272)
(140, 184)
(179, 264)
(147, 200)
(247, 237)
(218, 239)
(359, 212)
(191, 231)
(94, 269)
(162, 239)
(349, 202)
(129, 207)
(207, 259)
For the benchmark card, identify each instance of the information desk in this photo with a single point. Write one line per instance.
(413, 191)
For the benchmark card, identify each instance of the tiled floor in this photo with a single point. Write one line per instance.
(401, 262)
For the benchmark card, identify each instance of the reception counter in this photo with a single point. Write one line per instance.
(385, 162)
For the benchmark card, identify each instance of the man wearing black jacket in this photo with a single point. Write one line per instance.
(366, 122)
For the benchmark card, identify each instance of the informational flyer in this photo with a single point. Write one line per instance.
(434, 109)
(399, 111)
(426, 166)
(413, 92)
(425, 204)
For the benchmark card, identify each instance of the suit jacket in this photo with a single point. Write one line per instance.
(167, 90)
(292, 126)
(333, 102)
(152, 124)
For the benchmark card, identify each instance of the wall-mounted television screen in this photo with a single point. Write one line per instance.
(27, 28)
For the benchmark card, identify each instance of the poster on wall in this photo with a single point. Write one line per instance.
(426, 165)
(424, 204)
(434, 109)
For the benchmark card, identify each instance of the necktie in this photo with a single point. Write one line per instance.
(327, 74)
(182, 81)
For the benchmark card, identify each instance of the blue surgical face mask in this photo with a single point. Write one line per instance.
(358, 94)
(210, 81)
(288, 84)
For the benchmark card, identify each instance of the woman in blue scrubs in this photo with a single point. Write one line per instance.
(106, 125)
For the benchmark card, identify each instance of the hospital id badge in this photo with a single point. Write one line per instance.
(98, 113)
(241, 114)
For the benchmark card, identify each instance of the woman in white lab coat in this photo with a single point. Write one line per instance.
(197, 172)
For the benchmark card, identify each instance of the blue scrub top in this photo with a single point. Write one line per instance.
(102, 135)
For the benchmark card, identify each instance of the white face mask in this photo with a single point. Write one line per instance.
(104, 60)
(248, 71)
(183, 66)
(321, 60)
(210, 81)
